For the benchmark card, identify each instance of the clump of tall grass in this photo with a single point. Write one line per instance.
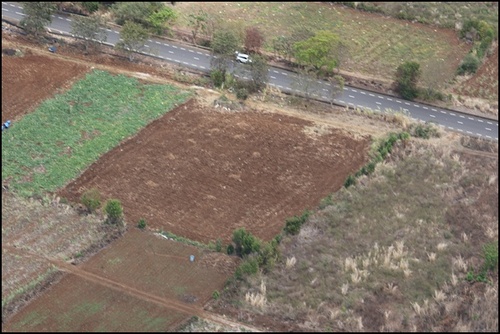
(257, 299)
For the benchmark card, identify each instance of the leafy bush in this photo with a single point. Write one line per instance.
(490, 256)
(351, 180)
(242, 93)
(249, 267)
(91, 198)
(293, 224)
(217, 77)
(470, 64)
(268, 255)
(230, 249)
(430, 94)
(141, 224)
(218, 245)
(245, 242)
(482, 49)
(425, 131)
(407, 75)
(90, 6)
(490, 252)
(215, 295)
(114, 211)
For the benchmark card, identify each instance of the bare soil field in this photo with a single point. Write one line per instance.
(142, 282)
(30, 78)
(201, 174)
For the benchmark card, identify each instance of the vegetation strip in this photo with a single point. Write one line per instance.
(54, 144)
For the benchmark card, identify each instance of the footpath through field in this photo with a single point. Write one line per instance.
(165, 302)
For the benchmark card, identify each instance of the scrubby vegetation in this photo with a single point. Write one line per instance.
(397, 251)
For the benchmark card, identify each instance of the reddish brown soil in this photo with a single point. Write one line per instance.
(30, 79)
(484, 83)
(124, 278)
(201, 174)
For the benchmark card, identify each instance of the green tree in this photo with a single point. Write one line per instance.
(224, 44)
(259, 72)
(469, 65)
(137, 12)
(198, 23)
(114, 211)
(319, 51)
(37, 16)
(133, 36)
(407, 75)
(245, 242)
(90, 29)
(161, 19)
(283, 45)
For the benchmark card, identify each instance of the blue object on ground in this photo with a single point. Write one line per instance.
(5, 125)
(52, 49)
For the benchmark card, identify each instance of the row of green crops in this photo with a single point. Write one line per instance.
(54, 144)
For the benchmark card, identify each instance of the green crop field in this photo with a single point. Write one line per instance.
(54, 144)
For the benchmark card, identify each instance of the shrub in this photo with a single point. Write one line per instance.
(268, 255)
(230, 249)
(114, 211)
(407, 75)
(242, 93)
(141, 224)
(91, 199)
(470, 64)
(430, 94)
(425, 131)
(293, 224)
(351, 180)
(249, 267)
(90, 6)
(218, 245)
(245, 242)
(490, 256)
(217, 77)
(215, 295)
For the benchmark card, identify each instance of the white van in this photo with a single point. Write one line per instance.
(242, 58)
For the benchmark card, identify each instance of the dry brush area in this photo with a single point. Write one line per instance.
(397, 252)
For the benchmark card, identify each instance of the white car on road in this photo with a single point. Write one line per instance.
(242, 58)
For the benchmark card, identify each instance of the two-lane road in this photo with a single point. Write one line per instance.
(287, 81)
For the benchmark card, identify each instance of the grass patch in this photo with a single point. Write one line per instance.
(54, 144)
(376, 45)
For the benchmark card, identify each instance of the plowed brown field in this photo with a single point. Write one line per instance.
(201, 174)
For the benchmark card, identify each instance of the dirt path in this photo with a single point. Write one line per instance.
(168, 303)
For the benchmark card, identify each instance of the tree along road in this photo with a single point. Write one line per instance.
(290, 82)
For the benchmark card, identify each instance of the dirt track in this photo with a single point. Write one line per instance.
(112, 284)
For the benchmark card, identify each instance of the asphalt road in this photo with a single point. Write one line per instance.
(289, 82)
